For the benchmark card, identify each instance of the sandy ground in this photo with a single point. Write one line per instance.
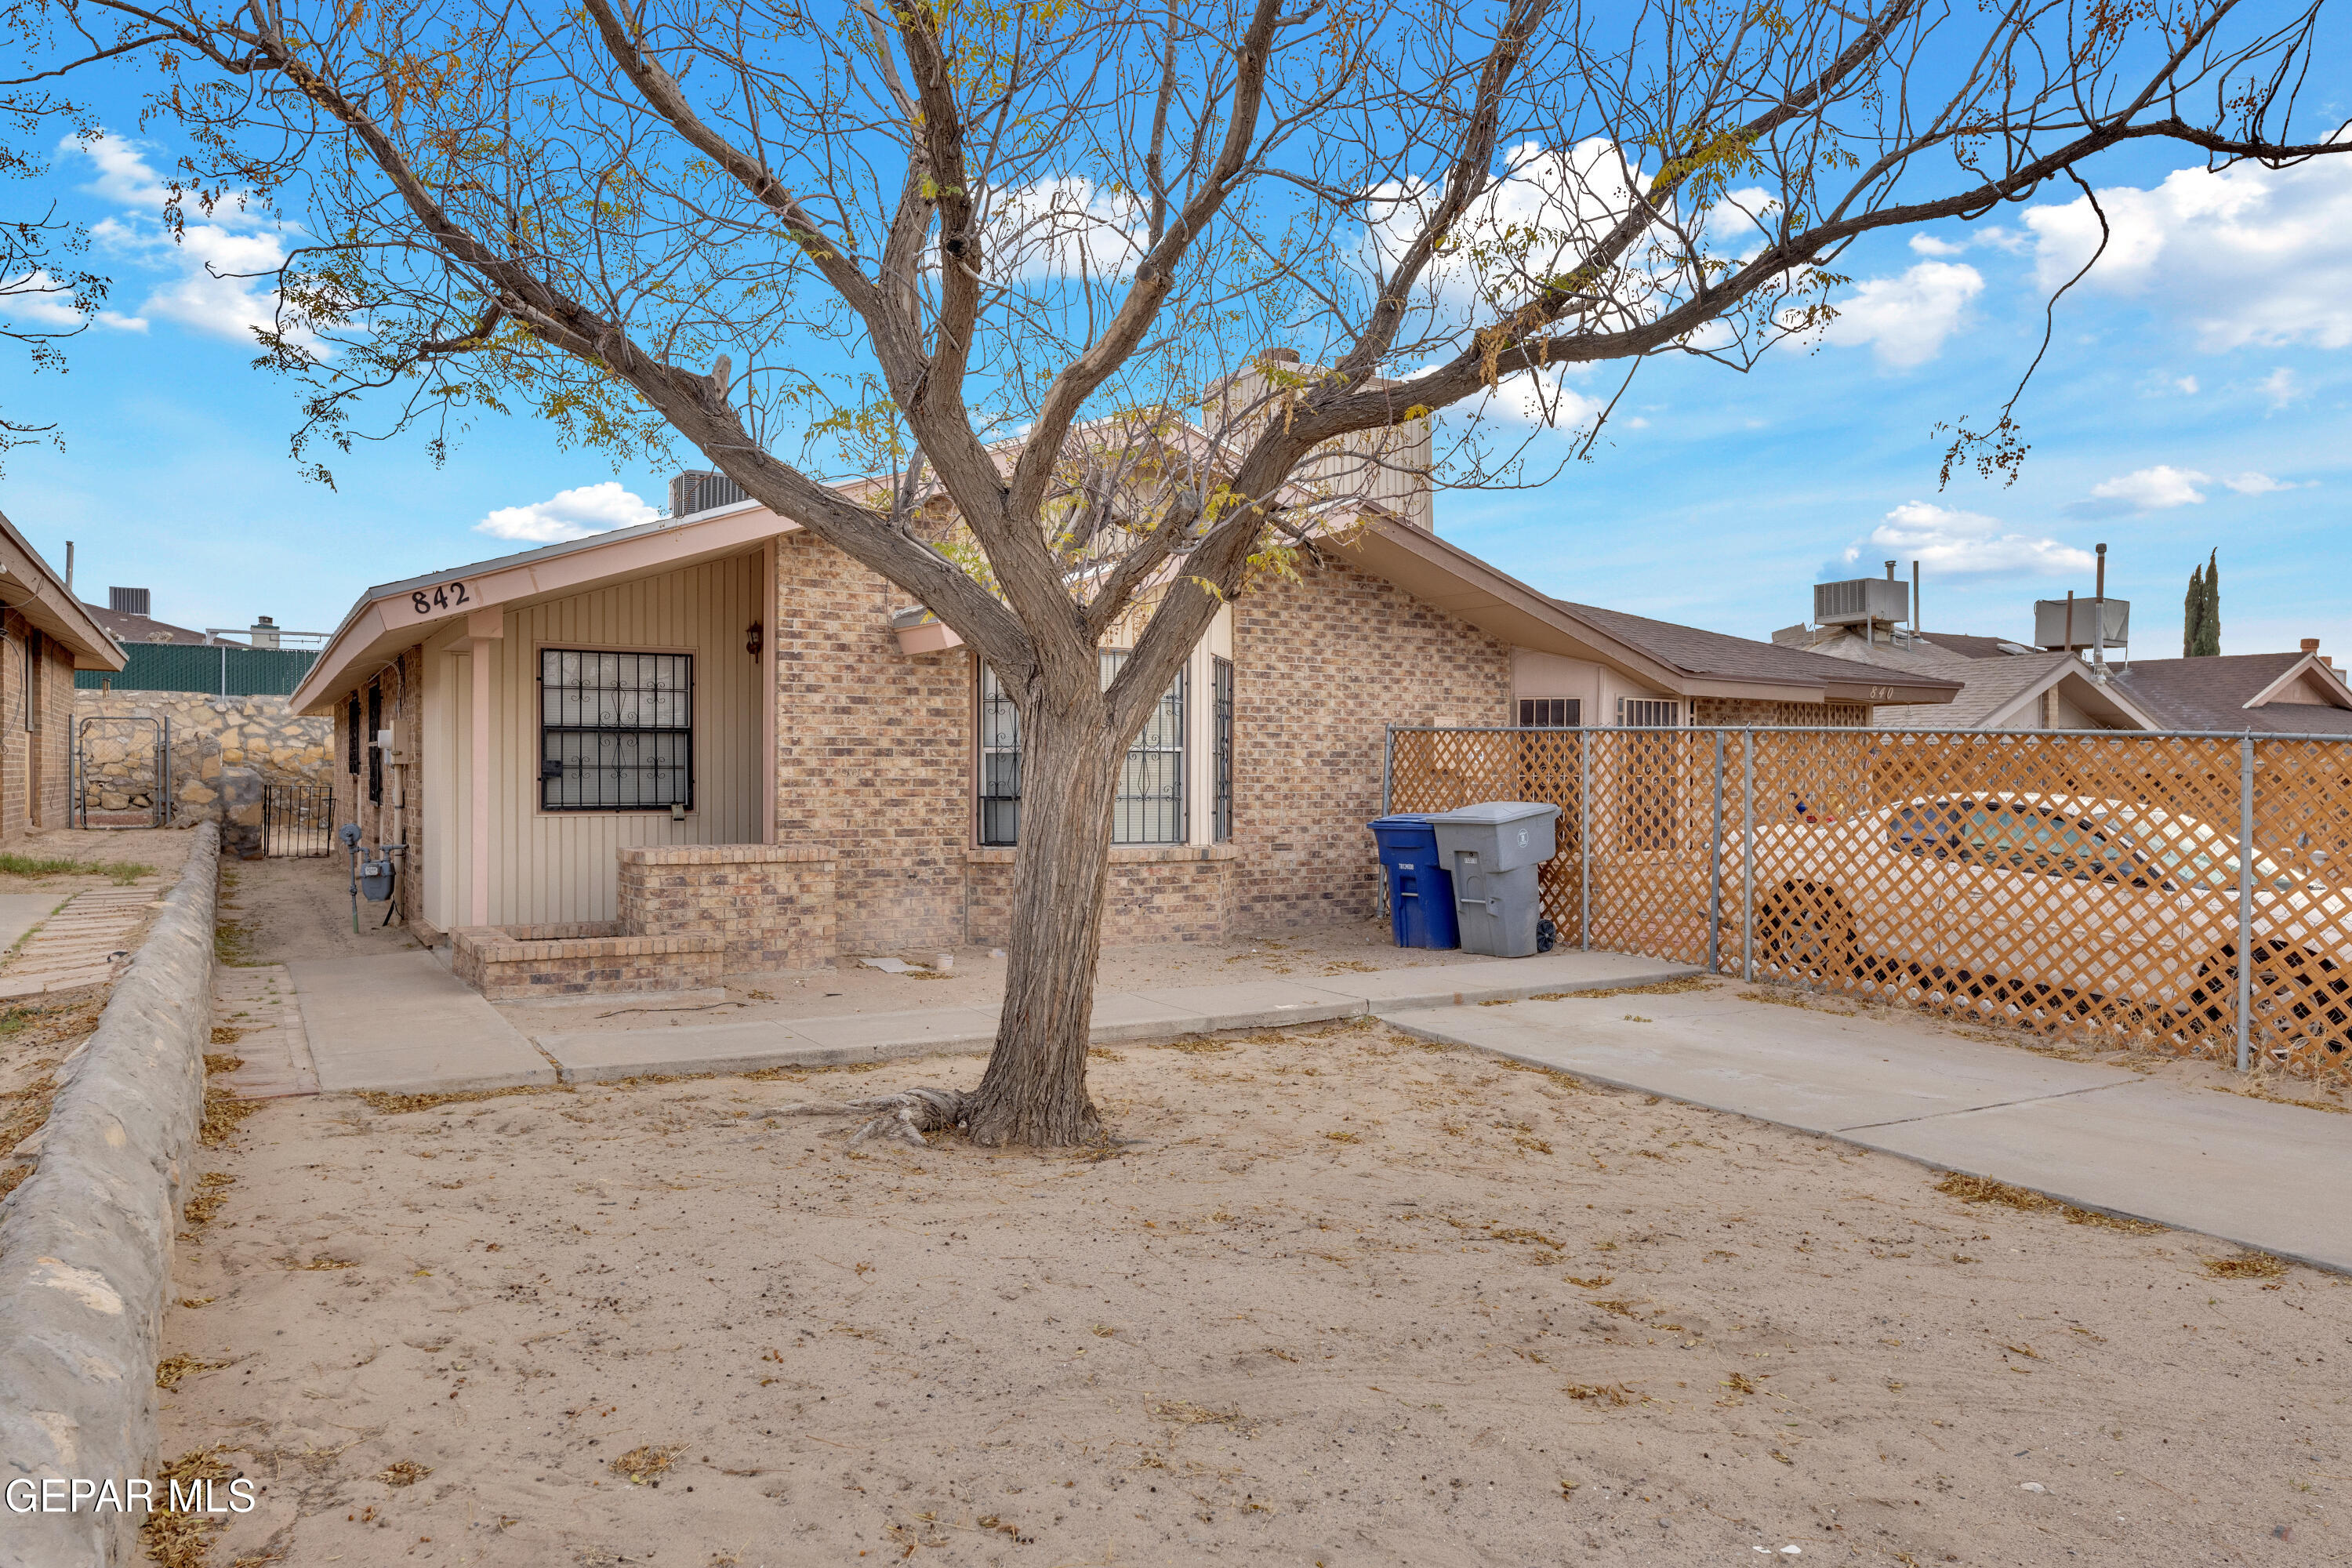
(976, 978)
(1342, 1299)
(277, 909)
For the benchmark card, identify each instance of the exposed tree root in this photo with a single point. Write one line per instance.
(902, 1118)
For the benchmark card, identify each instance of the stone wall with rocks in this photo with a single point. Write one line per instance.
(262, 737)
(85, 1240)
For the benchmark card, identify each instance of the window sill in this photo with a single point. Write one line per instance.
(1122, 854)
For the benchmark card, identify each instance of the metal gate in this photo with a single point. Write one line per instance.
(122, 772)
(298, 821)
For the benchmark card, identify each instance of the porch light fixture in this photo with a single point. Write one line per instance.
(752, 638)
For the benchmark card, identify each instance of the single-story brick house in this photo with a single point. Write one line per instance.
(45, 633)
(716, 729)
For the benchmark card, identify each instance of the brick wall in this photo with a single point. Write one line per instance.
(771, 905)
(537, 963)
(1156, 893)
(873, 752)
(1321, 667)
(35, 765)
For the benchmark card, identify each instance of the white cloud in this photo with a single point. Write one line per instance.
(2159, 488)
(2243, 255)
(1064, 227)
(2280, 387)
(1928, 244)
(1545, 398)
(214, 271)
(1906, 320)
(2188, 386)
(568, 514)
(1951, 543)
(2252, 484)
(39, 302)
(1543, 212)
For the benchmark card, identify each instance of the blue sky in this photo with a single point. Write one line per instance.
(2195, 397)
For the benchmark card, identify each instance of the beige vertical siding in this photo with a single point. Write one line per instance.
(560, 865)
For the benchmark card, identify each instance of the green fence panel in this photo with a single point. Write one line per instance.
(224, 670)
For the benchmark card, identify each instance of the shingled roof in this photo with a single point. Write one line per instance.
(2212, 692)
(1719, 656)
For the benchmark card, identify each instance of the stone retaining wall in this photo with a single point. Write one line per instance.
(261, 735)
(545, 963)
(771, 904)
(1157, 893)
(85, 1240)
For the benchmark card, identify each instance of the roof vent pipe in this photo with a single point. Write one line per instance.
(1915, 621)
(2099, 623)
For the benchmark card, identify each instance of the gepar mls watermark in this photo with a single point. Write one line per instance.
(79, 1494)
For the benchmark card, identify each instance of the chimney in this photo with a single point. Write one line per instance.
(129, 601)
(263, 633)
(2310, 645)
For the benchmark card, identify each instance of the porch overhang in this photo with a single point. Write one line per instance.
(394, 616)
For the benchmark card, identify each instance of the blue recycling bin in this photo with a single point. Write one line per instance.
(1420, 893)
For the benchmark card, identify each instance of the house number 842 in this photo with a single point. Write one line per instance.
(448, 596)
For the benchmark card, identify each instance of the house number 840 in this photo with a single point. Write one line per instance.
(448, 596)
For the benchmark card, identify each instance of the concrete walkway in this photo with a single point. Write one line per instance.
(2257, 1173)
(402, 1022)
(399, 1021)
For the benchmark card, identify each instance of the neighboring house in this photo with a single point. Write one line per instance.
(126, 620)
(718, 726)
(48, 635)
(2011, 685)
(2005, 686)
(2300, 693)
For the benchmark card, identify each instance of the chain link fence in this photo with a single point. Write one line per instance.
(2083, 886)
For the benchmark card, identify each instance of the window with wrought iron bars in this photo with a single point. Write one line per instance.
(999, 763)
(616, 730)
(1221, 672)
(374, 751)
(1150, 805)
(1641, 713)
(1550, 712)
(352, 747)
(1150, 808)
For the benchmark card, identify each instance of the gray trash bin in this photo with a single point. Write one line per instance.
(1495, 850)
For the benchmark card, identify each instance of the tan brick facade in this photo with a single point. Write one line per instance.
(770, 906)
(36, 732)
(538, 963)
(873, 750)
(1157, 893)
(1321, 667)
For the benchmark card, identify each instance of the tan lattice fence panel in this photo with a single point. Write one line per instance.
(2083, 886)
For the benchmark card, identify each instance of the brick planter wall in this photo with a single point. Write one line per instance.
(770, 906)
(1157, 893)
(529, 963)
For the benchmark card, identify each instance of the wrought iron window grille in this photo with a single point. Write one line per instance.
(616, 730)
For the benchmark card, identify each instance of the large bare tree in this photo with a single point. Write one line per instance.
(1025, 260)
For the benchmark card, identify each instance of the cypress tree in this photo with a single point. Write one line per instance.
(2209, 621)
(2192, 611)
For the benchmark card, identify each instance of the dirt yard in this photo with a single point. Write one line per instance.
(277, 909)
(1342, 1299)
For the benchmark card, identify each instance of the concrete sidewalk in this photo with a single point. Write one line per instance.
(399, 1021)
(2248, 1171)
(402, 1022)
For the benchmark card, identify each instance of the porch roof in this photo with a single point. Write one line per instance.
(394, 615)
(41, 597)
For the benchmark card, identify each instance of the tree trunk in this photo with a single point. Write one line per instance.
(1034, 1090)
